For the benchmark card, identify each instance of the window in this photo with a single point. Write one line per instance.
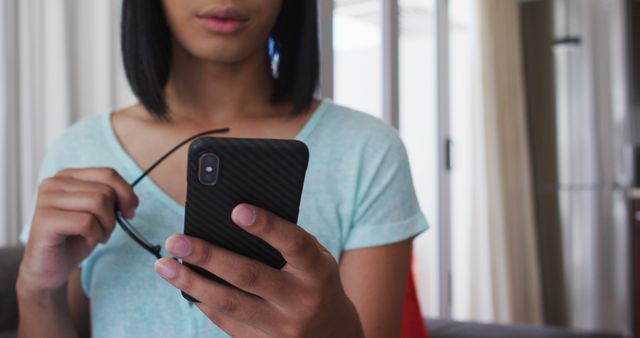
(358, 55)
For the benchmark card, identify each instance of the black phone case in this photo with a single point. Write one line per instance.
(267, 173)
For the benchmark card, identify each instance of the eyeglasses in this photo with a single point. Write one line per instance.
(124, 223)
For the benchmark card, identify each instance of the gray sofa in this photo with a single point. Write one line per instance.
(438, 328)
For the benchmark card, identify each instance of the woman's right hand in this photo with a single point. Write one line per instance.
(74, 212)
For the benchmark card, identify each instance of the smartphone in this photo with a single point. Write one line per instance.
(225, 172)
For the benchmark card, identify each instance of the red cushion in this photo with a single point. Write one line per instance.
(412, 323)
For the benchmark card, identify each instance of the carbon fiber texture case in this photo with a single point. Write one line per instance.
(267, 173)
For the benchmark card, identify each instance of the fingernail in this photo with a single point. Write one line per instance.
(130, 214)
(244, 215)
(178, 245)
(165, 269)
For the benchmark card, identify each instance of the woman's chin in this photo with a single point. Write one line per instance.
(221, 53)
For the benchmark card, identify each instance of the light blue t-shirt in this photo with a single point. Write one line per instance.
(358, 193)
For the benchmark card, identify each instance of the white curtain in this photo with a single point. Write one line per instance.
(495, 262)
(59, 61)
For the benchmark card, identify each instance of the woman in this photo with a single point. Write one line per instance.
(196, 65)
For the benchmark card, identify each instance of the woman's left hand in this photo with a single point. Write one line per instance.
(304, 299)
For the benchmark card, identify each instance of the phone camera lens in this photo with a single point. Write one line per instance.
(208, 169)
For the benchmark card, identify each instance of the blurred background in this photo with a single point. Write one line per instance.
(520, 118)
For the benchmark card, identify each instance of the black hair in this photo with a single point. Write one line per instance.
(146, 51)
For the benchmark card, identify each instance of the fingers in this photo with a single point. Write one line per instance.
(99, 204)
(64, 224)
(227, 301)
(244, 273)
(299, 248)
(126, 199)
(88, 197)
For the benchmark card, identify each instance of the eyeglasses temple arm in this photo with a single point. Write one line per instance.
(126, 226)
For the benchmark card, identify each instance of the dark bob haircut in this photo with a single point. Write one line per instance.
(146, 50)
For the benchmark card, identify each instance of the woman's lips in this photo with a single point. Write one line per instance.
(221, 23)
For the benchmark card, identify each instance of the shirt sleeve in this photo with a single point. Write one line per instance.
(386, 207)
